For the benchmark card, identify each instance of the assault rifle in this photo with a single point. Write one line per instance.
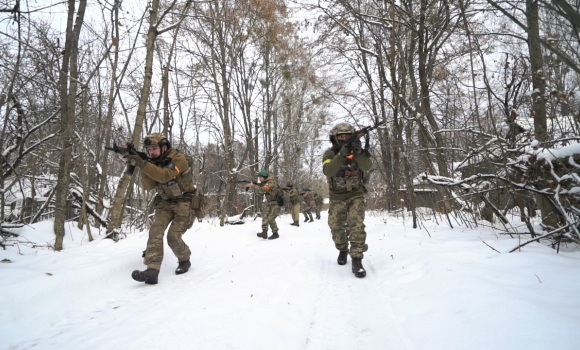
(130, 149)
(357, 135)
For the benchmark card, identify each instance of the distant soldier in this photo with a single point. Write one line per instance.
(269, 188)
(344, 166)
(294, 197)
(318, 204)
(307, 204)
(169, 174)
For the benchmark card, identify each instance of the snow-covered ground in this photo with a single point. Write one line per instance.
(444, 289)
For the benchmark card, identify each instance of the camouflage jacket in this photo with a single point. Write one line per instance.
(308, 200)
(294, 196)
(170, 174)
(345, 176)
(317, 198)
(269, 188)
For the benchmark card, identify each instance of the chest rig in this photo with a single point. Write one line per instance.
(348, 178)
(181, 186)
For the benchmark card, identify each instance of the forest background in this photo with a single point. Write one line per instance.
(479, 99)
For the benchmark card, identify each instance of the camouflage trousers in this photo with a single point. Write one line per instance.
(346, 222)
(317, 210)
(181, 218)
(307, 211)
(296, 212)
(270, 211)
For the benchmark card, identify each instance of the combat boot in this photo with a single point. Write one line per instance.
(148, 276)
(342, 256)
(318, 218)
(306, 220)
(274, 235)
(357, 268)
(263, 234)
(183, 267)
(295, 223)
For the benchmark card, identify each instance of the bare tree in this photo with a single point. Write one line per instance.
(68, 84)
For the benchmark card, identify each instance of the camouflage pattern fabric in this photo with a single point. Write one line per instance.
(269, 188)
(270, 211)
(317, 210)
(307, 201)
(181, 217)
(318, 200)
(335, 167)
(346, 222)
(294, 196)
(346, 210)
(170, 176)
(308, 204)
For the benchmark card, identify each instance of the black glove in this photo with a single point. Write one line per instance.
(135, 158)
(357, 146)
(345, 150)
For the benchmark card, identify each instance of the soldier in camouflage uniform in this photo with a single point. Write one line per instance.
(168, 172)
(294, 196)
(344, 166)
(269, 188)
(308, 204)
(318, 204)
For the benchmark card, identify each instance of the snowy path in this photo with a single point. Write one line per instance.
(448, 291)
(356, 310)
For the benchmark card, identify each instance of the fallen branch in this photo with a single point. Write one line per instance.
(558, 230)
(490, 246)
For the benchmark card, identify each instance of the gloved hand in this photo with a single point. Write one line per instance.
(357, 146)
(135, 159)
(345, 150)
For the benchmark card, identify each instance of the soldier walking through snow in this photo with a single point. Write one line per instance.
(308, 204)
(269, 188)
(168, 172)
(344, 166)
(294, 196)
(317, 204)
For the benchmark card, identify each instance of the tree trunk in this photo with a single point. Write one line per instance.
(108, 124)
(68, 75)
(116, 212)
(549, 216)
(84, 166)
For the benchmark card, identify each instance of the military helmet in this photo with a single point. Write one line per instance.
(264, 173)
(339, 129)
(156, 140)
(305, 188)
(289, 184)
(342, 128)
